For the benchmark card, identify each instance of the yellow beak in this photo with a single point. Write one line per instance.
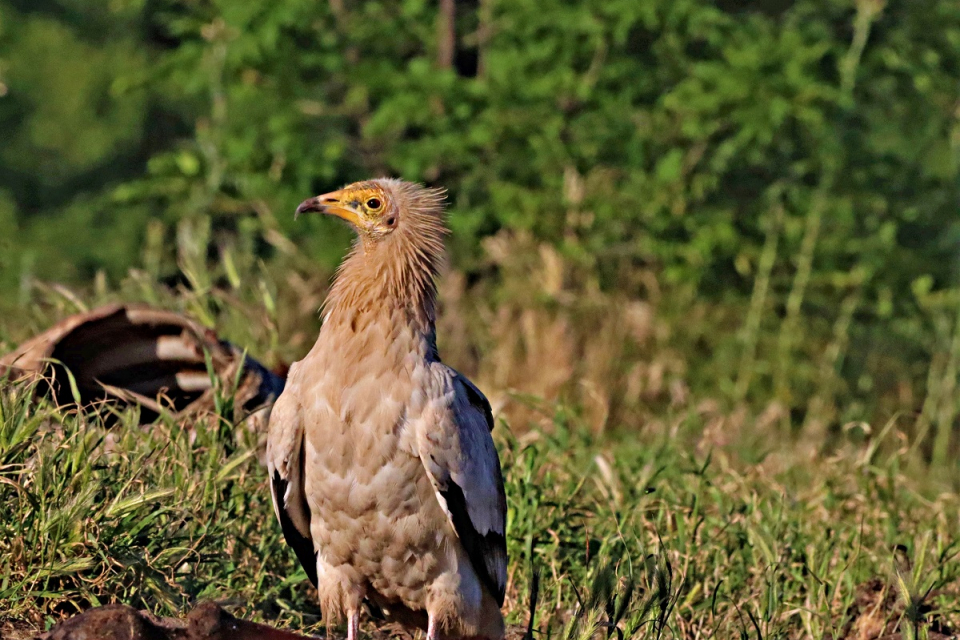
(332, 204)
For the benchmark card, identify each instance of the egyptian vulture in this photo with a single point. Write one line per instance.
(383, 471)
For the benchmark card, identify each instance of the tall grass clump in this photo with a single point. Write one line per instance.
(660, 514)
(152, 517)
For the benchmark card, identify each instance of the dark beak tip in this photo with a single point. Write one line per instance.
(307, 206)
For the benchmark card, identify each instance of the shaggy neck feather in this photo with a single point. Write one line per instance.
(392, 278)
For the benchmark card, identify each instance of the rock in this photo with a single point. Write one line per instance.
(135, 354)
(208, 621)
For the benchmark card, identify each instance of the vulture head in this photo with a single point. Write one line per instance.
(386, 209)
(400, 228)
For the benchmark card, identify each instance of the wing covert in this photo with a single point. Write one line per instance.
(458, 453)
(285, 460)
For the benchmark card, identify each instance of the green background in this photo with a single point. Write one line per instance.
(787, 171)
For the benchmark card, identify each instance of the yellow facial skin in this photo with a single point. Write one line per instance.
(366, 208)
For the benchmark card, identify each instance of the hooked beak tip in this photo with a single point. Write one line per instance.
(330, 204)
(313, 204)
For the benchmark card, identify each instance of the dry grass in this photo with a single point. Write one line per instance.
(641, 532)
(649, 507)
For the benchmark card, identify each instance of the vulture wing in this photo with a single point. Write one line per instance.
(285, 460)
(458, 453)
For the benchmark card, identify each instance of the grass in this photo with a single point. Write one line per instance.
(646, 509)
(647, 536)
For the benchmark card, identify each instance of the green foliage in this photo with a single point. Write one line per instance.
(789, 171)
(638, 533)
(127, 515)
(730, 222)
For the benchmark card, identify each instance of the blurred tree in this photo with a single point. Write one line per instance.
(792, 167)
(76, 120)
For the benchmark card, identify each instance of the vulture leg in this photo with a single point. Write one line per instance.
(353, 625)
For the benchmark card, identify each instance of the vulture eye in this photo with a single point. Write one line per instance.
(374, 204)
